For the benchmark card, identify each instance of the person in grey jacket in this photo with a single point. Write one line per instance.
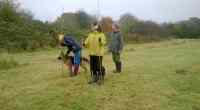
(116, 47)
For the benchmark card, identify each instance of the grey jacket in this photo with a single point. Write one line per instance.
(116, 43)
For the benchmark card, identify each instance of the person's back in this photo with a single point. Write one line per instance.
(71, 43)
(73, 46)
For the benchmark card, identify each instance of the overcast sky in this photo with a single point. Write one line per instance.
(156, 10)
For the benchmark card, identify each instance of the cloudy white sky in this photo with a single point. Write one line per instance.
(157, 10)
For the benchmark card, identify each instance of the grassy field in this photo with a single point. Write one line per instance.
(156, 76)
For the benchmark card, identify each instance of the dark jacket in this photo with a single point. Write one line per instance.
(72, 44)
(116, 43)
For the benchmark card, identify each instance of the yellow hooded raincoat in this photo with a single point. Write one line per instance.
(96, 43)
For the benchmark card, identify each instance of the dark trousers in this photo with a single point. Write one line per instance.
(116, 57)
(96, 67)
(117, 61)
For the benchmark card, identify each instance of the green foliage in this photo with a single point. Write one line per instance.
(187, 29)
(76, 24)
(141, 31)
(127, 23)
(19, 31)
(84, 19)
(135, 29)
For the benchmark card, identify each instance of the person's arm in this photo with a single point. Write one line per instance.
(121, 42)
(110, 43)
(86, 43)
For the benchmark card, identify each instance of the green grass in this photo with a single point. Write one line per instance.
(7, 63)
(156, 76)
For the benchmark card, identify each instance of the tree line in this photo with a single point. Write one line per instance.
(140, 31)
(19, 30)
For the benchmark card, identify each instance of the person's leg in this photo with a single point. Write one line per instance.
(100, 68)
(103, 69)
(117, 61)
(70, 66)
(114, 57)
(92, 68)
(77, 61)
(96, 63)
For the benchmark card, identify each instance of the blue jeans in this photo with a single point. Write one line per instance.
(77, 57)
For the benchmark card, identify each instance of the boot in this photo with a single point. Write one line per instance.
(76, 70)
(119, 67)
(94, 78)
(100, 80)
(115, 71)
(70, 70)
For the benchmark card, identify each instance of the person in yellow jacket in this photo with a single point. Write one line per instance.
(95, 43)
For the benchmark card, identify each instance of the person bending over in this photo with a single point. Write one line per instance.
(73, 46)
